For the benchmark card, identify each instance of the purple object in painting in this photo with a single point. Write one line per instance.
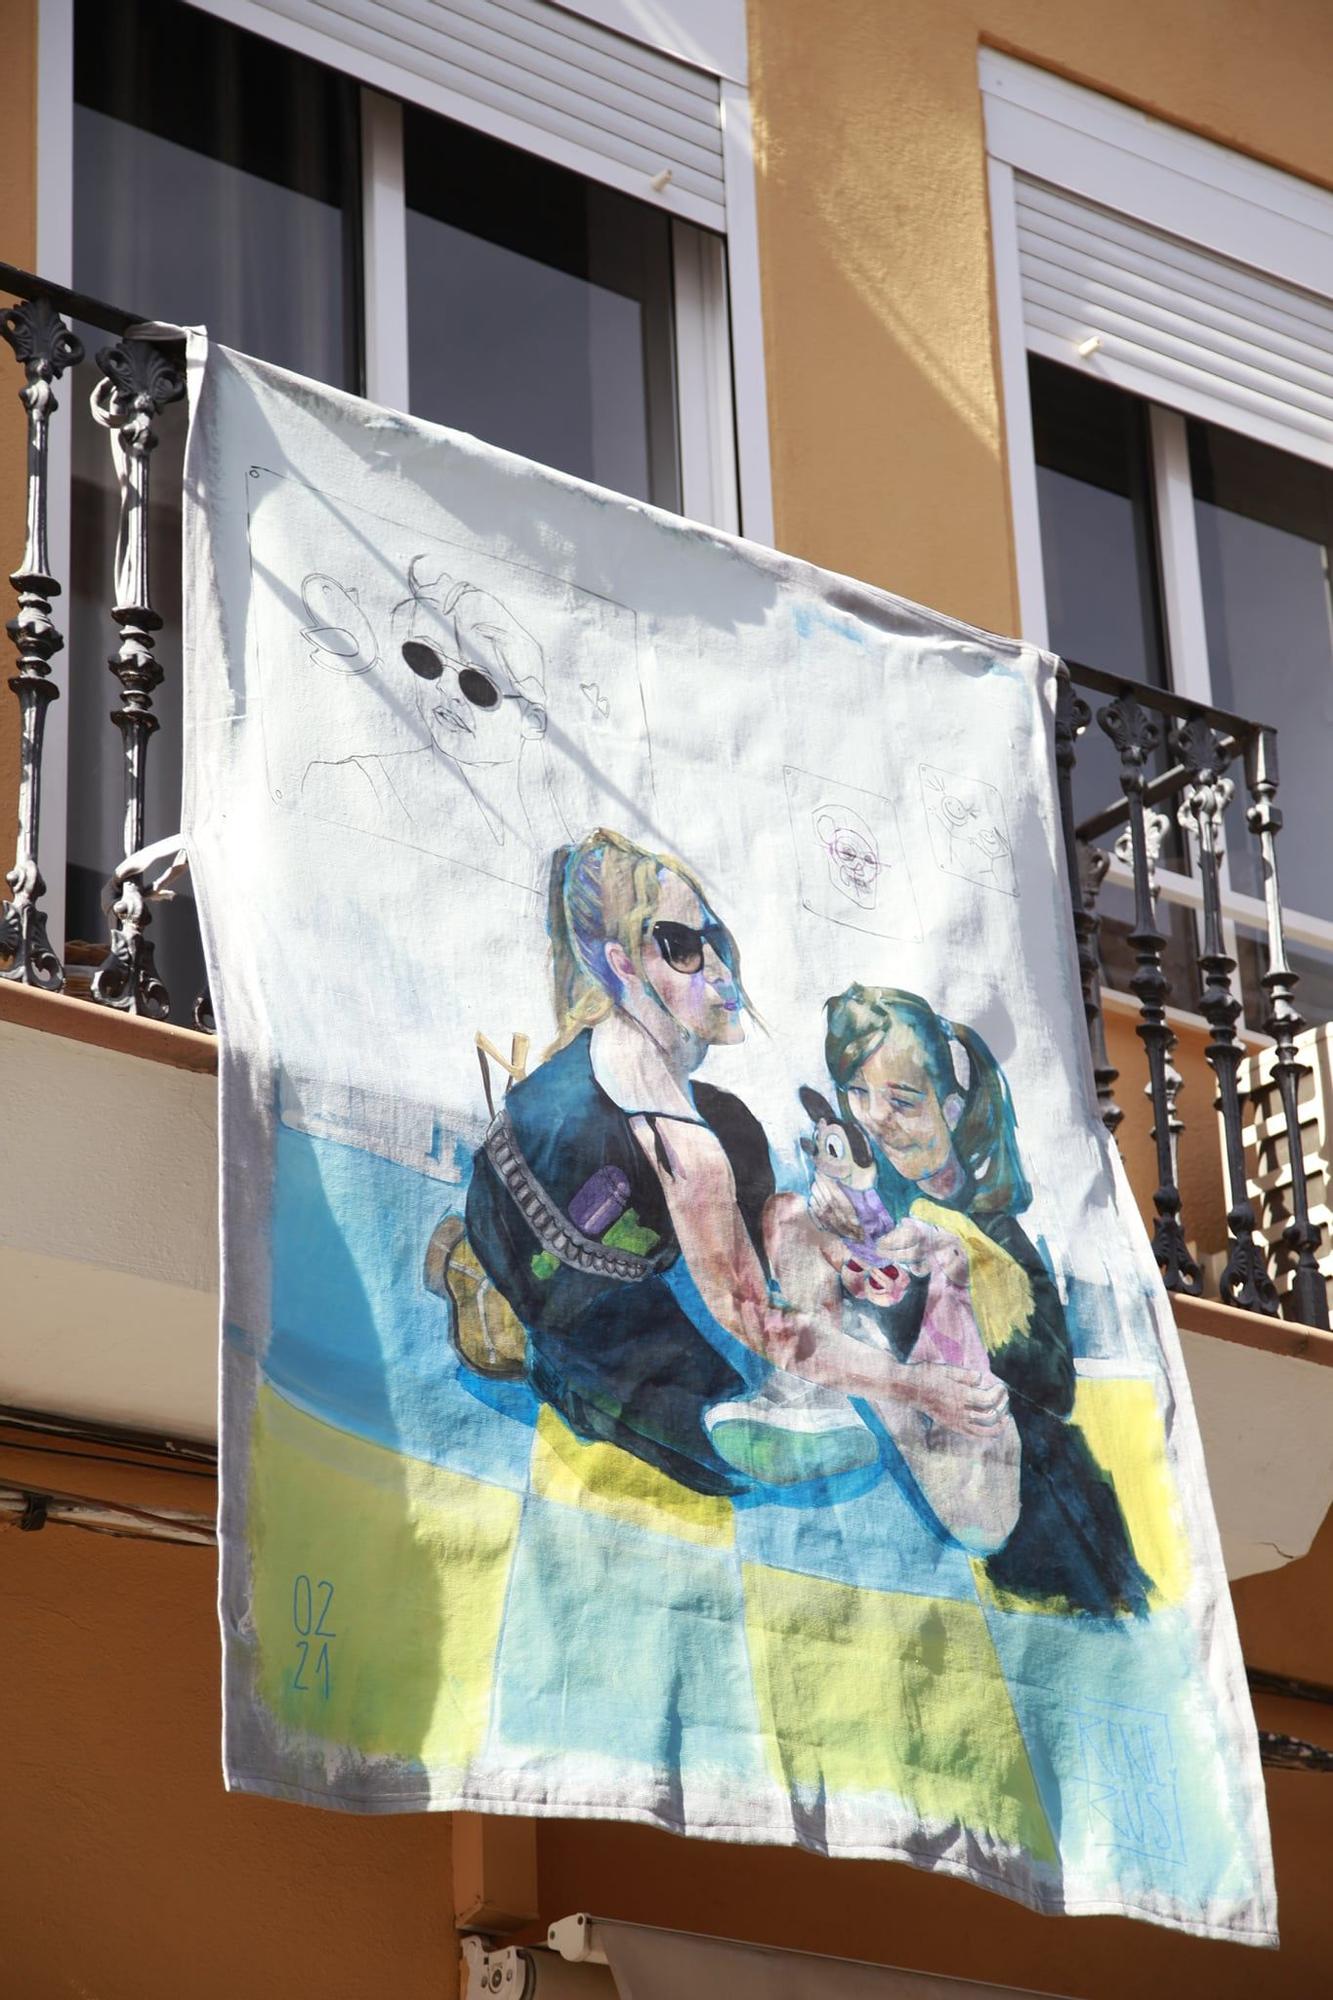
(600, 1202)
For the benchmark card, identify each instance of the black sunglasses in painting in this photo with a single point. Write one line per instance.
(428, 663)
(682, 946)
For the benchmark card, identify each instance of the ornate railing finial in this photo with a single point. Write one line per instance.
(138, 381)
(46, 347)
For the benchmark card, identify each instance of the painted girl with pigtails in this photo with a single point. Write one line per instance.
(934, 1104)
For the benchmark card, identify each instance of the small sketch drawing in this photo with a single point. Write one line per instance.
(968, 832)
(339, 633)
(427, 692)
(1128, 1769)
(476, 682)
(850, 862)
(853, 853)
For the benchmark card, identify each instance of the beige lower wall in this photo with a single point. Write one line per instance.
(108, 1232)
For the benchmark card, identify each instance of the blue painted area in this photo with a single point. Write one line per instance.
(359, 1342)
(1110, 1319)
(357, 1339)
(876, 1538)
(810, 620)
(617, 1641)
(1122, 1733)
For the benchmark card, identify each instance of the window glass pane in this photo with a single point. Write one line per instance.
(216, 181)
(1094, 488)
(1265, 529)
(539, 310)
(1094, 495)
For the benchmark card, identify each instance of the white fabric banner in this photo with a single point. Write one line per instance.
(690, 1353)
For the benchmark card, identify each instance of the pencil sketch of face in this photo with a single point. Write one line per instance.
(476, 674)
(956, 813)
(852, 851)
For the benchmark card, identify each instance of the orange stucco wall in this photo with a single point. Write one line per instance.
(887, 425)
(1199, 1172)
(129, 1874)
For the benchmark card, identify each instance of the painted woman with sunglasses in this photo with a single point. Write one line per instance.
(618, 1204)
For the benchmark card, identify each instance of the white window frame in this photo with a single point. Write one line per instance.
(709, 36)
(1089, 145)
(721, 394)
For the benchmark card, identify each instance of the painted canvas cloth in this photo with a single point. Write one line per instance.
(690, 1354)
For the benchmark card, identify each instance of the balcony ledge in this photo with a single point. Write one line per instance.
(105, 1028)
(1256, 1330)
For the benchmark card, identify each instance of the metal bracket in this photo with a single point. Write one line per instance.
(508, 1972)
(516, 1972)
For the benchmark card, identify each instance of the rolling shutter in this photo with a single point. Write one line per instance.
(1173, 320)
(532, 74)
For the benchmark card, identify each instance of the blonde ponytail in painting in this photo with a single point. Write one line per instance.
(603, 891)
(579, 996)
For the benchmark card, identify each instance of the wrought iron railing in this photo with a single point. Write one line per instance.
(1204, 746)
(138, 377)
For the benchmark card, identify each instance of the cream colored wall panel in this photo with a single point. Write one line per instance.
(1267, 1427)
(108, 1235)
(111, 1160)
(107, 1345)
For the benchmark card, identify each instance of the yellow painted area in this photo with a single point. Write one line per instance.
(379, 1589)
(606, 1480)
(1123, 1424)
(875, 1691)
(1001, 1289)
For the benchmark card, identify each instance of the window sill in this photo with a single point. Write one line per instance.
(104, 1028)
